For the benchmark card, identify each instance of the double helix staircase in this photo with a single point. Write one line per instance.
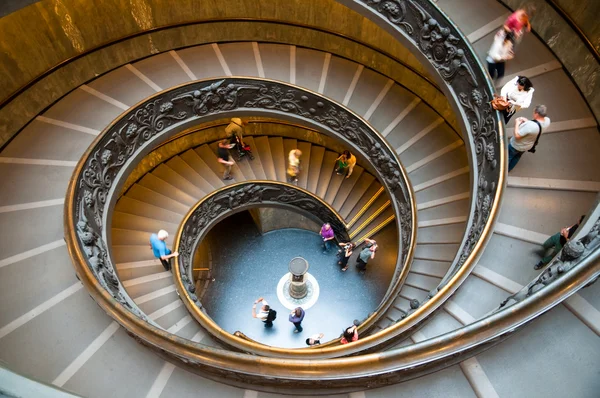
(52, 331)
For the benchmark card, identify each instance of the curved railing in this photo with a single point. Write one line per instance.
(222, 203)
(419, 24)
(94, 189)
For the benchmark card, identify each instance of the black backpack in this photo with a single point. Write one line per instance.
(272, 315)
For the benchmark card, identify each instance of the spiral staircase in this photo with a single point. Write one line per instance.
(52, 331)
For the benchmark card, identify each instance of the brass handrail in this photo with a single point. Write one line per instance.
(112, 150)
(423, 26)
(190, 226)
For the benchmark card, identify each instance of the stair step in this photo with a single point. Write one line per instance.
(314, 167)
(266, 159)
(159, 185)
(442, 252)
(423, 282)
(451, 233)
(130, 253)
(430, 267)
(306, 148)
(194, 160)
(279, 157)
(346, 188)
(359, 230)
(139, 208)
(376, 205)
(146, 195)
(326, 172)
(165, 173)
(410, 293)
(180, 166)
(333, 188)
(358, 191)
(137, 223)
(129, 237)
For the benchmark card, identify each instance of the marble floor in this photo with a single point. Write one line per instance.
(247, 266)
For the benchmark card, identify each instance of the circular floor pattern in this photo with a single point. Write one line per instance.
(306, 302)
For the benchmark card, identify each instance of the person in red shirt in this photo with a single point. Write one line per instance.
(350, 335)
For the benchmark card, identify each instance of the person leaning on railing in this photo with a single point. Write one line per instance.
(556, 242)
(160, 250)
(350, 335)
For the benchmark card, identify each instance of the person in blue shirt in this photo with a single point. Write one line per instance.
(296, 317)
(160, 250)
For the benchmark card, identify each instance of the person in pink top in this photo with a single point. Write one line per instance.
(517, 22)
(328, 236)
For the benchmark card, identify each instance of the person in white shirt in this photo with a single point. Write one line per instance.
(526, 134)
(314, 339)
(500, 52)
(519, 93)
(264, 312)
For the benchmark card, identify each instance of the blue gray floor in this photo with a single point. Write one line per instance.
(250, 265)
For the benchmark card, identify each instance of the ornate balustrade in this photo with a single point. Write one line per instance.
(224, 202)
(420, 25)
(94, 189)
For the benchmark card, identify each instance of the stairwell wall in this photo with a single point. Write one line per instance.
(50, 50)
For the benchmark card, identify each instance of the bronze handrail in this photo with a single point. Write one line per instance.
(131, 136)
(422, 25)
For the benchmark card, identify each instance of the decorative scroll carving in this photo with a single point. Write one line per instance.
(238, 197)
(570, 255)
(128, 136)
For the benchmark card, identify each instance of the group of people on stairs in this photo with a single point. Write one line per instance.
(517, 93)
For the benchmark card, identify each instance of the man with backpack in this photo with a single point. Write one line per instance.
(266, 313)
(527, 134)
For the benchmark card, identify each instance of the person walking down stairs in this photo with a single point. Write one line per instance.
(527, 135)
(502, 50)
(294, 164)
(160, 250)
(225, 159)
(556, 243)
(345, 164)
(235, 132)
(518, 22)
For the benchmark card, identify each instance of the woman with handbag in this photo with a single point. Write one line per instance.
(514, 96)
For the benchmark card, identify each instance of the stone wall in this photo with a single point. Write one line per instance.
(270, 219)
